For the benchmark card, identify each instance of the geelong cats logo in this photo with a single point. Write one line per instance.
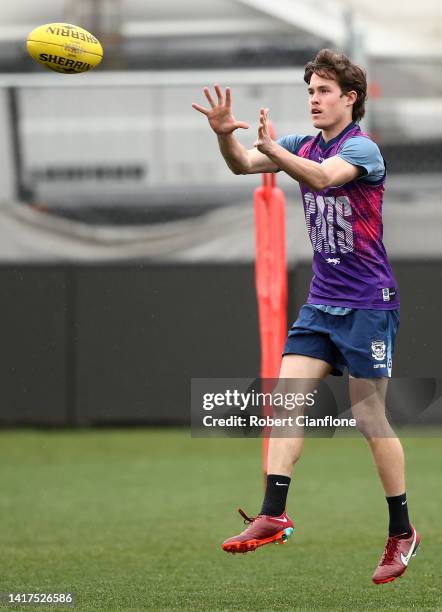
(378, 349)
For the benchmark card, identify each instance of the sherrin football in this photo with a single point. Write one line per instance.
(64, 48)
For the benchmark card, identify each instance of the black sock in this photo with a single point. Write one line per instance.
(276, 495)
(398, 509)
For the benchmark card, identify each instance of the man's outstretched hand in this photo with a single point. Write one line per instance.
(264, 142)
(220, 115)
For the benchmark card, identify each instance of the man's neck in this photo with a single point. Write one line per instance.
(332, 131)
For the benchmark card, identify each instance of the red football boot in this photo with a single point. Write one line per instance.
(397, 554)
(262, 530)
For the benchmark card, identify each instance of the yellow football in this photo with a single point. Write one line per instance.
(64, 48)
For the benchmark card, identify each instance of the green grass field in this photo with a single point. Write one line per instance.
(133, 520)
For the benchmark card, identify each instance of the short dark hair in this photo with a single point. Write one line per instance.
(350, 77)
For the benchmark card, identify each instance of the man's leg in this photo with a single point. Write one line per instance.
(368, 406)
(367, 398)
(298, 375)
(285, 452)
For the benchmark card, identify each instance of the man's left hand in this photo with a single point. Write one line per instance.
(264, 143)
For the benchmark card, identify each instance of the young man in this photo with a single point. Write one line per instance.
(352, 312)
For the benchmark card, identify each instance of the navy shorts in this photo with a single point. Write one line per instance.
(362, 340)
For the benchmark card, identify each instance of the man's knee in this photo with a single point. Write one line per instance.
(372, 423)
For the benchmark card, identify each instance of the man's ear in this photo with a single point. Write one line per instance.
(352, 96)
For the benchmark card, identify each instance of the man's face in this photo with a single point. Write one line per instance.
(328, 105)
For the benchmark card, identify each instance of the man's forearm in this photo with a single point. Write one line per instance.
(302, 170)
(234, 153)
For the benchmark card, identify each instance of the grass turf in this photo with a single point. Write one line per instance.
(133, 520)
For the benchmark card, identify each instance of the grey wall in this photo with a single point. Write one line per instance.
(118, 344)
(33, 332)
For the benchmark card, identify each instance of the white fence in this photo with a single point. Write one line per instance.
(100, 138)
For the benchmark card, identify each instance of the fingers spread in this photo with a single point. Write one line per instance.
(201, 109)
(209, 97)
(228, 97)
(219, 94)
(242, 124)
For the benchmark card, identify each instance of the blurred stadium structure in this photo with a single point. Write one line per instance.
(125, 148)
(100, 139)
(115, 166)
(132, 136)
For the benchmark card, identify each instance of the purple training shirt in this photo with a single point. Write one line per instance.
(350, 263)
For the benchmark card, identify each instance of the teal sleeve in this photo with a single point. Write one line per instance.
(364, 153)
(292, 142)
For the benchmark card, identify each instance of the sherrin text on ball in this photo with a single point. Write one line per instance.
(64, 48)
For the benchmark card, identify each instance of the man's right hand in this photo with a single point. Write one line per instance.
(220, 115)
